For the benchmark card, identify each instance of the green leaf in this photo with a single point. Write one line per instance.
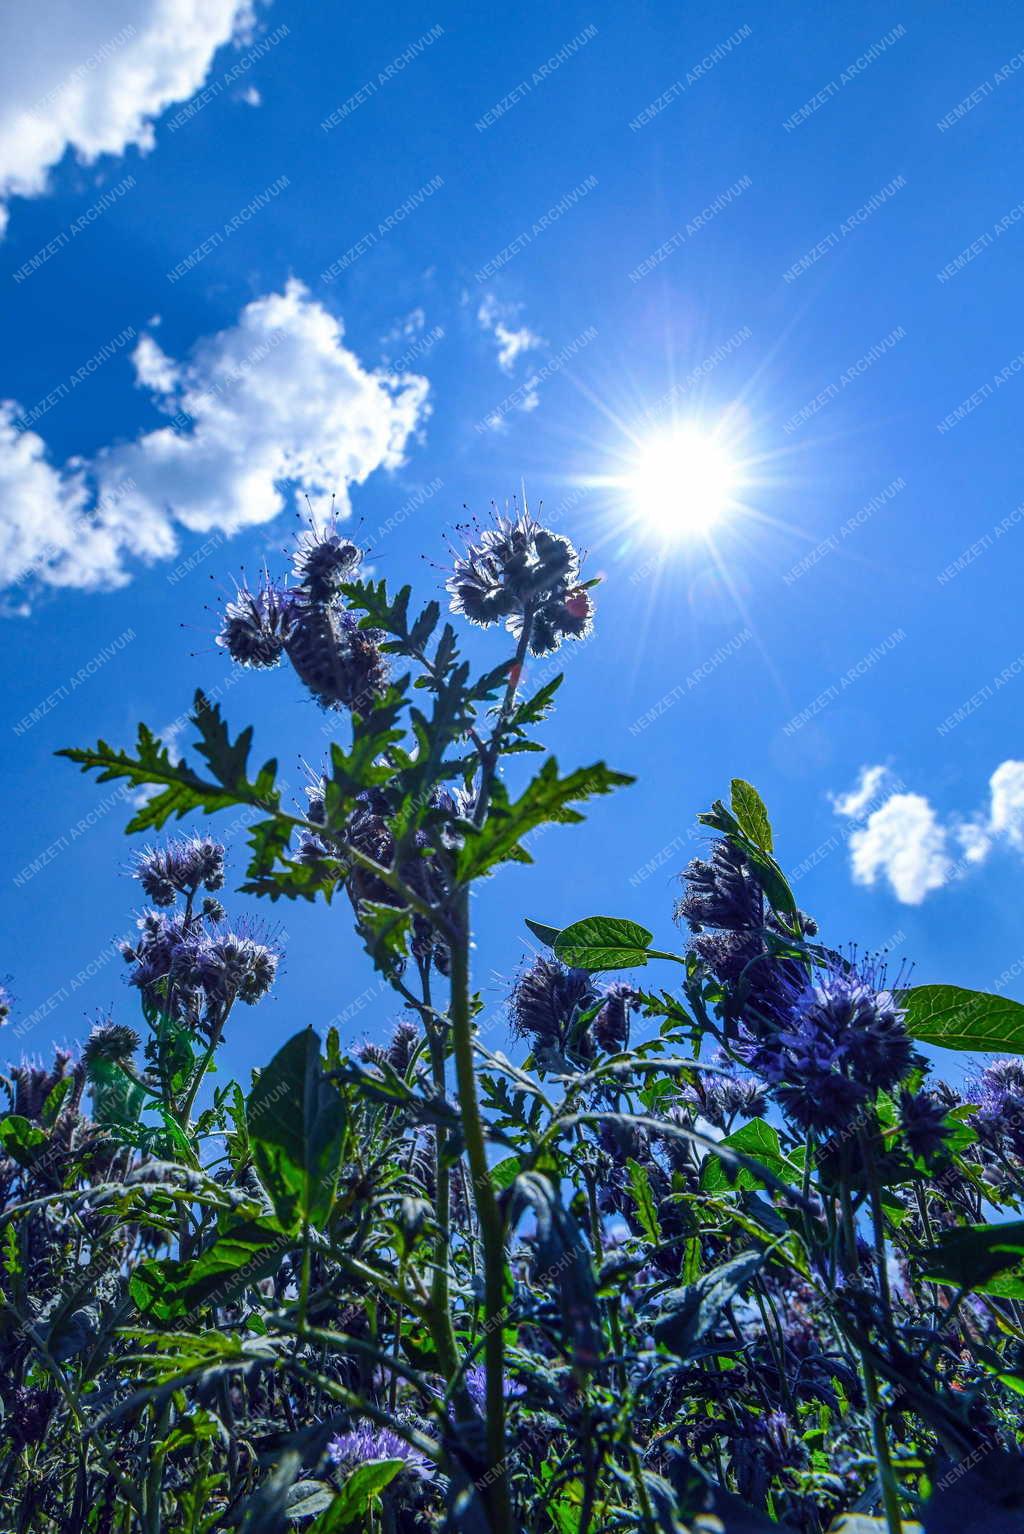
(562, 1262)
(761, 1143)
(548, 798)
(643, 1198)
(751, 815)
(167, 1288)
(989, 1258)
(544, 933)
(603, 942)
(182, 789)
(959, 1019)
(690, 1313)
(355, 1496)
(22, 1140)
(296, 1122)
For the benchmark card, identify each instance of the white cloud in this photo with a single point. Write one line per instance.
(1006, 816)
(277, 397)
(905, 843)
(511, 343)
(870, 783)
(93, 78)
(154, 370)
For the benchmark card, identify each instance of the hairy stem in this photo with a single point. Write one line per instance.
(492, 1229)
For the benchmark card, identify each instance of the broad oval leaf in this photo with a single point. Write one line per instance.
(989, 1258)
(296, 1122)
(960, 1019)
(352, 1501)
(603, 942)
(750, 812)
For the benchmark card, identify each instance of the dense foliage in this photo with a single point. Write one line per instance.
(717, 1253)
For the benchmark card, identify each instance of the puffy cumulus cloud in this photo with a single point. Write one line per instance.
(871, 782)
(512, 342)
(1006, 815)
(276, 399)
(42, 509)
(93, 78)
(905, 843)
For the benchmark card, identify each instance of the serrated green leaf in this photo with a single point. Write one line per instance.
(182, 790)
(547, 799)
(986, 1258)
(643, 1200)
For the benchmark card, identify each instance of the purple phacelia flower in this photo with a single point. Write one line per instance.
(923, 1121)
(546, 999)
(179, 868)
(323, 562)
(340, 663)
(998, 1090)
(518, 573)
(255, 626)
(841, 1040)
(720, 1098)
(364, 1444)
(611, 1025)
(110, 1042)
(227, 966)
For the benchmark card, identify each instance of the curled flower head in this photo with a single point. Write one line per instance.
(255, 626)
(227, 966)
(999, 1092)
(611, 1025)
(323, 561)
(519, 573)
(155, 954)
(923, 1121)
(364, 1444)
(33, 1082)
(721, 891)
(546, 999)
(110, 1042)
(6, 1003)
(180, 867)
(720, 1098)
(723, 905)
(841, 1041)
(340, 663)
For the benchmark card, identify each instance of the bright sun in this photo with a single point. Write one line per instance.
(682, 481)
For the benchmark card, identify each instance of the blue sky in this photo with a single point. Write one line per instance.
(423, 257)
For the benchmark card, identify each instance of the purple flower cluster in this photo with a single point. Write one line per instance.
(191, 965)
(180, 867)
(546, 1002)
(724, 907)
(340, 663)
(362, 1445)
(842, 1040)
(999, 1092)
(722, 1098)
(520, 574)
(367, 830)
